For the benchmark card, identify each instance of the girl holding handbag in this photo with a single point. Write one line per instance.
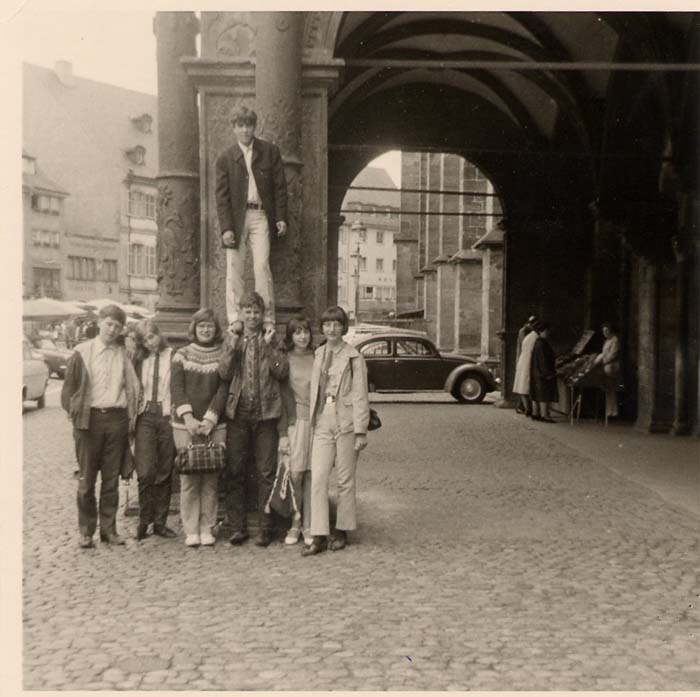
(196, 390)
(296, 392)
(154, 449)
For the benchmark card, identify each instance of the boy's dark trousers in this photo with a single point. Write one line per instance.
(154, 454)
(243, 438)
(100, 449)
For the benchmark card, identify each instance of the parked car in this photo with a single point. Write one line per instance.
(408, 363)
(35, 376)
(55, 357)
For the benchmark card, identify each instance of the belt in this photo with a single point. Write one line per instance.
(330, 399)
(154, 406)
(254, 206)
(107, 410)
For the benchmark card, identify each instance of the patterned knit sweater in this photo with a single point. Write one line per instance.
(194, 381)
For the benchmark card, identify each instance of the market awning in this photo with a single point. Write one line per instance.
(49, 309)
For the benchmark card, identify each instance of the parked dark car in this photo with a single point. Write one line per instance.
(56, 358)
(410, 363)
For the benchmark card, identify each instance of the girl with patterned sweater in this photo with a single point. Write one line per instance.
(194, 383)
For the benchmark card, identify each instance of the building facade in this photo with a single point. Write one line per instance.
(43, 232)
(366, 249)
(106, 160)
(449, 250)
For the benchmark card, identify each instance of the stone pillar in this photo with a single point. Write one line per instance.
(491, 246)
(445, 304)
(178, 175)
(648, 346)
(278, 100)
(467, 312)
(681, 424)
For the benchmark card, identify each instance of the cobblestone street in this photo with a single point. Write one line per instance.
(490, 556)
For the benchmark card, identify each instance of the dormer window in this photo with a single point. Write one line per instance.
(137, 155)
(28, 165)
(144, 123)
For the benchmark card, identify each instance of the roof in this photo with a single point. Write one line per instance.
(375, 177)
(40, 182)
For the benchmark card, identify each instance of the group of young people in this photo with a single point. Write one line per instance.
(262, 396)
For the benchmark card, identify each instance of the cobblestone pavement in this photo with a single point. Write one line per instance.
(490, 556)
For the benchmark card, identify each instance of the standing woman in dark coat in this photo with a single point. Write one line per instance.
(543, 376)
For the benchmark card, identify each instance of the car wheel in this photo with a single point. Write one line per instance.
(471, 389)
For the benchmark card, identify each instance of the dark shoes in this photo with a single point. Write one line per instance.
(86, 542)
(164, 531)
(319, 544)
(263, 539)
(141, 531)
(111, 538)
(238, 537)
(340, 539)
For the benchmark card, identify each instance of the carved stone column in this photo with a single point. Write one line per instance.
(278, 99)
(680, 406)
(178, 175)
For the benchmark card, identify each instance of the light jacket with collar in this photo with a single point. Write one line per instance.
(351, 398)
(273, 368)
(75, 395)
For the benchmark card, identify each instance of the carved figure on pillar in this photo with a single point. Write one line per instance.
(251, 203)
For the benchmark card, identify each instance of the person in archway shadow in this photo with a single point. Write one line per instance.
(609, 359)
(543, 375)
(521, 385)
(251, 201)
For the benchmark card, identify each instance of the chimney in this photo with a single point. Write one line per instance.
(64, 72)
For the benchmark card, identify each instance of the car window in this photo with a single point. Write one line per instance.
(410, 347)
(375, 348)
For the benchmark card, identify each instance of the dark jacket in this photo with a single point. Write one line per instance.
(274, 367)
(543, 376)
(232, 186)
(76, 387)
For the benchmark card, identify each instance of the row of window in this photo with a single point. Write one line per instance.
(46, 238)
(379, 235)
(368, 293)
(141, 204)
(372, 210)
(43, 203)
(142, 262)
(344, 266)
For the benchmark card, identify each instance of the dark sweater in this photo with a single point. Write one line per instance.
(194, 381)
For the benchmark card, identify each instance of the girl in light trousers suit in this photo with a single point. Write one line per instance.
(339, 412)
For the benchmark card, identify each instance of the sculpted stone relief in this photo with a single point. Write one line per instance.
(178, 267)
(228, 34)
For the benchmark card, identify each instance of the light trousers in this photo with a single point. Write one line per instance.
(332, 447)
(198, 502)
(256, 234)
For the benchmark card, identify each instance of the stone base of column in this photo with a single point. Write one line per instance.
(174, 321)
(653, 425)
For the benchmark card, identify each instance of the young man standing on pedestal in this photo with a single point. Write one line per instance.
(251, 202)
(254, 364)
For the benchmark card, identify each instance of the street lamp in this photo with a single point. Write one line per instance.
(358, 228)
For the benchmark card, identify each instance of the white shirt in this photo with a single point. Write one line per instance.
(253, 195)
(106, 372)
(147, 369)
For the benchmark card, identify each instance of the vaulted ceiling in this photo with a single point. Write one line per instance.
(519, 82)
